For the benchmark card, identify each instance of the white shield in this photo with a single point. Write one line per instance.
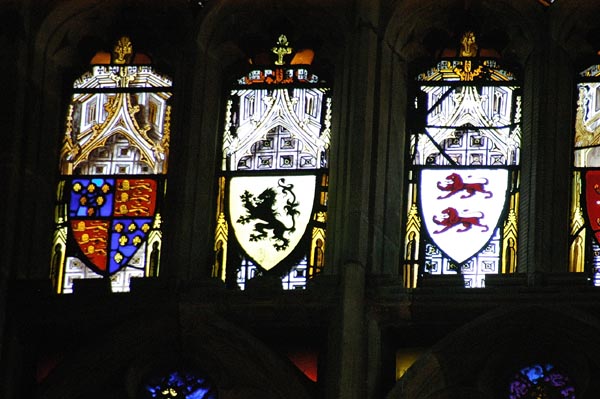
(269, 214)
(461, 208)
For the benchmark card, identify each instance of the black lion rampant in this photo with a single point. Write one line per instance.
(263, 208)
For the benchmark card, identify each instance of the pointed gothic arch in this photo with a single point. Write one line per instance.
(126, 358)
(113, 162)
(463, 157)
(272, 208)
(456, 365)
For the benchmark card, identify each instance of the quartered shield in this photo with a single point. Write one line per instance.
(461, 208)
(269, 214)
(592, 201)
(111, 219)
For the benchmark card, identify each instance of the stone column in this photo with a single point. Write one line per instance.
(353, 177)
(347, 374)
(545, 159)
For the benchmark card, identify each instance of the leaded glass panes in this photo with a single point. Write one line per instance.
(113, 164)
(179, 384)
(541, 381)
(463, 172)
(585, 209)
(272, 206)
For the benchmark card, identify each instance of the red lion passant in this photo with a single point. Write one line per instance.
(456, 184)
(452, 218)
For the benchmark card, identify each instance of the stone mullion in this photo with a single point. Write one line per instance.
(545, 178)
(352, 176)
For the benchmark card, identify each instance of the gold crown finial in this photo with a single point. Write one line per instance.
(468, 46)
(282, 48)
(123, 51)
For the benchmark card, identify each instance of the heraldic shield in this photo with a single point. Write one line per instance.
(110, 219)
(461, 208)
(592, 201)
(269, 214)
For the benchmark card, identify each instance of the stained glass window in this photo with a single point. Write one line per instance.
(113, 164)
(463, 172)
(585, 209)
(541, 381)
(272, 206)
(179, 384)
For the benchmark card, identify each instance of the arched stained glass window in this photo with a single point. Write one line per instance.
(585, 208)
(541, 381)
(179, 384)
(463, 172)
(113, 164)
(272, 206)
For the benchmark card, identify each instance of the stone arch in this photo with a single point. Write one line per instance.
(573, 27)
(233, 30)
(410, 26)
(481, 356)
(73, 31)
(115, 362)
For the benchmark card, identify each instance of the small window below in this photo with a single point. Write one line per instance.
(541, 381)
(178, 384)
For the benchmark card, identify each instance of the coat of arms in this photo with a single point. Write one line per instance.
(592, 201)
(110, 219)
(269, 214)
(262, 212)
(461, 208)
